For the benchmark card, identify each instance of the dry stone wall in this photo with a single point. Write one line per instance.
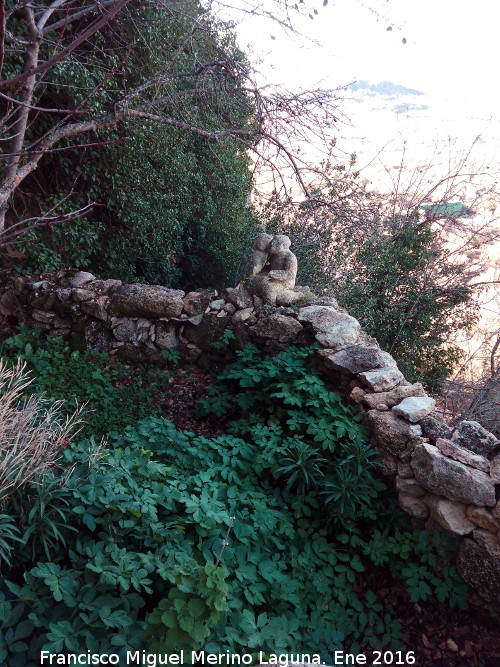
(447, 479)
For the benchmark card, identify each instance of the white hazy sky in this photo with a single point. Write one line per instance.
(452, 48)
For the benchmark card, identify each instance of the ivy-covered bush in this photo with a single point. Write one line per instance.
(162, 540)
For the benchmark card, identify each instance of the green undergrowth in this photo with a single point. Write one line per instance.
(272, 537)
(115, 395)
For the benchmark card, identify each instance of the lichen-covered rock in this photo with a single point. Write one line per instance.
(81, 278)
(356, 359)
(195, 303)
(390, 433)
(434, 427)
(239, 296)
(137, 300)
(277, 327)
(393, 397)
(450, 478)
(450, 514)
(124, 329)
(479, 569)
(97, 307)
(333, 329)
(454, 451)
(483, 518)
(474, 437)
(382, 380)
(414, 408)
(166, 335)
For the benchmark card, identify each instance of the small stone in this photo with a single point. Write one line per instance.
(96, 307)
(454, 451)
(197, 302)
(230, 308)
(383, 407)
(277, 327)
(357, 358)
(81, 278)
(409, 486)
(239, 296)
(416, 429)
(124, 329)
(382, 380)
(390, 433)
(483, 518)
(166, 336)
(450, 515)
(242, 315)
(413, 506)
(217, 304)
(42, 316)
(474, 437)
(39, 284)
(450, 478)
(221, 313)
(357, 395)
(414, 408)
(80, 295)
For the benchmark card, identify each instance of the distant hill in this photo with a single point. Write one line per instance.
(384, 88)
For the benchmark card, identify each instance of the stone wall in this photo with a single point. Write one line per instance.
(447, 479)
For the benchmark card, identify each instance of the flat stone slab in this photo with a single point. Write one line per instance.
(395, 396)
(414, 408)
(332, 329)
(446, 477)
(454, 451)
(357, 358)
(137, 300)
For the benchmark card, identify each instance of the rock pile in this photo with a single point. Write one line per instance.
(446, 479)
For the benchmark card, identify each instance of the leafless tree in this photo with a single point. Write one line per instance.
(43, 34)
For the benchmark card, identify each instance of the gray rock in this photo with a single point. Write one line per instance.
(433, 428)
(332, 329)
(390, 433)
(239, 296)
(217, 304)
(96, 307)
(38, 284)
(124, 329)
(454, 451)
(383, 380)
(479, 569)
(450, 478)
(474, 437)
(414, 408)
(356, 359)
(81, 278)
(166, 335)
(277, 327)
(153, 301)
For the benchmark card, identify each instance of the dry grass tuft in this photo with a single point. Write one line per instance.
(32, 431)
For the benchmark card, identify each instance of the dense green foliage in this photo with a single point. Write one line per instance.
(164, 540)
(115, 395)
(391, 269)
(171, 205)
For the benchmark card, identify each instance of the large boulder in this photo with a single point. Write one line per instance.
(450, 478)
(333, 329)
(390, 433)
(153, 301)
(474, 437)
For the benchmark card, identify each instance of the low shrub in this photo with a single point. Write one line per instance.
(164, 540)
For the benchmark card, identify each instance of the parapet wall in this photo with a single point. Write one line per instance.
(446, 479)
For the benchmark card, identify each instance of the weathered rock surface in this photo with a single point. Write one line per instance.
(166, 335)
(382, 380)
(356, 359)
(450, 478)
(195, 303)
(409, 486)
(209, 331)
(479, 569)
(450, 514)
(239, 296)
(495, 469)
(81, 278)
(124, 329)
(281, 328)
(454, 451)
(332, 329)
(483, 518)
(414, 408)
(393, 397)
(391, 433)
(97, 307)
(137, 300)
(477, 439)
